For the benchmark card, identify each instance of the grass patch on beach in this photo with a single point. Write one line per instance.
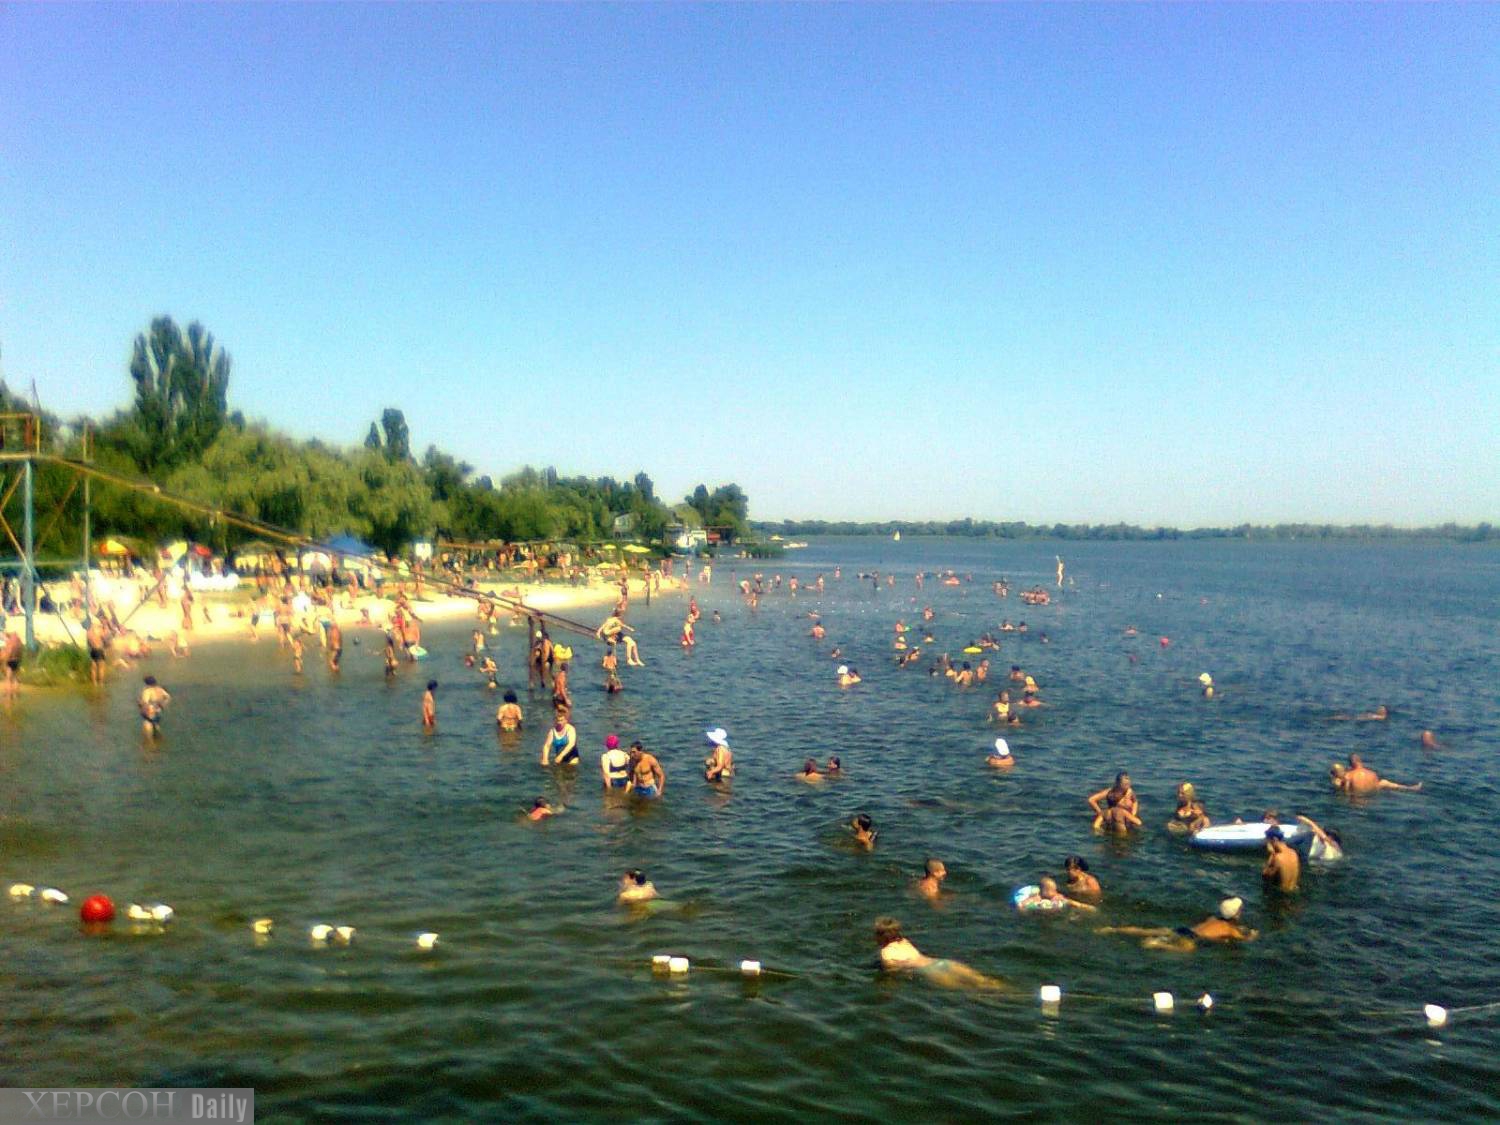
(55, 666)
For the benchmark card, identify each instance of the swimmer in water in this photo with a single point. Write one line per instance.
(1000, 757)
(429, 705)
(864, 831)
(834, 768)
(719, 765)
(1190, 816)
(1379, 715)
(847, 677)
(1358, 778)
(12, 656)
(1047, 896)
(614, 764)
(898, 954)
(509, 717)
(647, 778)
(560, 697)
(635, 887)
(1429, 741)
(1078, 881)
(540, 810)
(1000, 709)
(560, 742)
(152, 703)
(632, 652)
(1283, 868)
(1327, 845)
(809, 772)
(1225, 926)
(1116, 809)
(930, 885)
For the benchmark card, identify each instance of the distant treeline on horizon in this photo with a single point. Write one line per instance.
(991, 529)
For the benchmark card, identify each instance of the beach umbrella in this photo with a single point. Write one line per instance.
(175, 550)
(637, 549)
(202, 552)
(112, 546)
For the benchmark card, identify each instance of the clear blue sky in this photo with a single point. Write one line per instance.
(1186, 265)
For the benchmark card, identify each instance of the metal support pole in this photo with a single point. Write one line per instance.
(87, 531)
(28, 559)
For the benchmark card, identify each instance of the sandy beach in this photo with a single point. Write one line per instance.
(220, 617)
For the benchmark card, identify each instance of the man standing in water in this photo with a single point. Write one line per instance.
(335, 645)
(647, 778)
(1283, 869)
(96, 642)
(429, 705)
(153, 701)
(1059, 572)
(12, 657)
(930, 885)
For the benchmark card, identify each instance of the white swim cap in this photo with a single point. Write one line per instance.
(843, 669)
(718, 736)
(1002, 748)
(1205, 678)
(1229, 909)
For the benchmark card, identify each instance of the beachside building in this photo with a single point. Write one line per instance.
(684, 538)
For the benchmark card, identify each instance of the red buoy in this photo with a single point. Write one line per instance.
(97, 908)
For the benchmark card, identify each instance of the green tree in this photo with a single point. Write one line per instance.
(397, 445)
(181, 389)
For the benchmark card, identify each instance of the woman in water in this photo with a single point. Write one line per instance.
(864, 831)
(1190, 815)
(1078, 880)
(898, 954)
(1116, 808)
(508, 717)
(561, 742)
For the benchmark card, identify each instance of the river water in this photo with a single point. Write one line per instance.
(321, 800)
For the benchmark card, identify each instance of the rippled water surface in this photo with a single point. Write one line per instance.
(317, 799)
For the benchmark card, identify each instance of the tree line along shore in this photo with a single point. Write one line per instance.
(180, 434)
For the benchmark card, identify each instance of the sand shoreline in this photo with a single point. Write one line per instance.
(229, 613)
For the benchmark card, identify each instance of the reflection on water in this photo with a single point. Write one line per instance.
(320, 800)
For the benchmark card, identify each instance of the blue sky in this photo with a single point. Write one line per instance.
(1184, 265)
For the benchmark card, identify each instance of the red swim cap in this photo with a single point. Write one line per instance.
(611, 742)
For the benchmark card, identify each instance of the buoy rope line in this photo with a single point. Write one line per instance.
(156, 917)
